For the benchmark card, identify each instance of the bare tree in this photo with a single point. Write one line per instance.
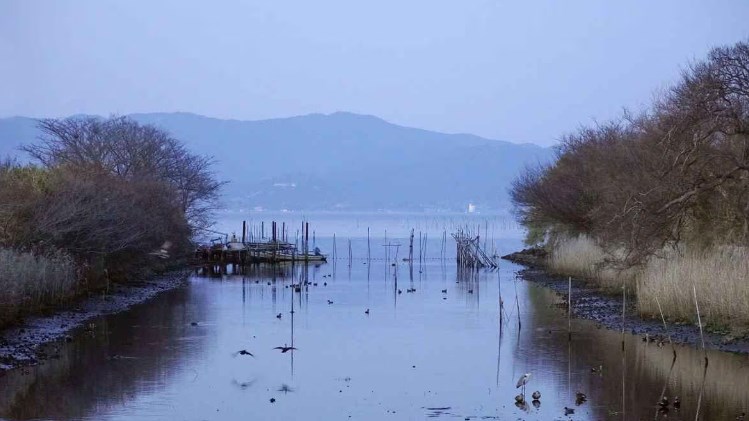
(126, 149)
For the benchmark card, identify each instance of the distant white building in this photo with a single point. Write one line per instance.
(471, 208)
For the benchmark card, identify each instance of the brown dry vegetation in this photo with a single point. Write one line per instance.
(648, 184)
(107, 194)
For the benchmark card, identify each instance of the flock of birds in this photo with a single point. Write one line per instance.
(520, 400)
(284, 349)
(580, 397)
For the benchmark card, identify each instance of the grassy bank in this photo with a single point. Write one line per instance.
(719, 274)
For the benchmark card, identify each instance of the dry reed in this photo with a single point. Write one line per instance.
(720, 277)
(29, 280)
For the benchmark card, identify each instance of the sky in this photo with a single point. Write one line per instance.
(522, 71)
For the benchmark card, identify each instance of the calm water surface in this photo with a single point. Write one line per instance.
(416, 355)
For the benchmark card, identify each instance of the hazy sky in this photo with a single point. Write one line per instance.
(524, 71)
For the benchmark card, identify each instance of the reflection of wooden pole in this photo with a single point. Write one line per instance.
(624, 307)
(569, 309)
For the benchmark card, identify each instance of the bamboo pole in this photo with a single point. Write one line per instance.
(699, 320)
(663, 319)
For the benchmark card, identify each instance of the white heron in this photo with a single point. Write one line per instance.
(522, 381)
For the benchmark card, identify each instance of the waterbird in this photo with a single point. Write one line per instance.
(284, 349)
(677, 402)
(536, 395)
(598, 369)
(522, 381)
(243, 385)
(244, 352)
(580, 398)
(278, 316)
(444, 291)
(663, 403)
(569, 411)
(163, 251)
(330, 302)
(285, 388)
(400, 292)
(519, 398)
(366, 311)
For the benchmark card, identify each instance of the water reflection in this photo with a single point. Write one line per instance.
(454, 346)
(122, 356)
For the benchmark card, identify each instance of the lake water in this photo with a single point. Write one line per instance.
(416, 355)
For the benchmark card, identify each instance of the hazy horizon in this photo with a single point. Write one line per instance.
(516, 72)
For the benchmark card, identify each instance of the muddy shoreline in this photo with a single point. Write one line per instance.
(38, 338)
(588, 302)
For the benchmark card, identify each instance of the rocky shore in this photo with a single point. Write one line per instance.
(38, 338)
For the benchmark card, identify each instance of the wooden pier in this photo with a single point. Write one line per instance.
(275, 249)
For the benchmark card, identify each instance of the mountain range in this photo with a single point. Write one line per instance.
(339, 161)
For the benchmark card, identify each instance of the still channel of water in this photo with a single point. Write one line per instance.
(435, 352)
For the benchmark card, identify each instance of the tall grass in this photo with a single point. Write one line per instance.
(582, 257)
(30, 280)
(719, 274)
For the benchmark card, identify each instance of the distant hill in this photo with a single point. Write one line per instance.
(339, 161)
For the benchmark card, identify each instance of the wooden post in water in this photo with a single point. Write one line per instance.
(306, 241)
(425, 247)
(699, 321)
(420, 247)
(244, 231)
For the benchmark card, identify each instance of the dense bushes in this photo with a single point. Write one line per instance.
(644, 186)
(678, 172)
(107, 195)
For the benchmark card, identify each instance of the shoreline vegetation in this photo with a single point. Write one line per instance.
(656, 204)
(106, 202)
